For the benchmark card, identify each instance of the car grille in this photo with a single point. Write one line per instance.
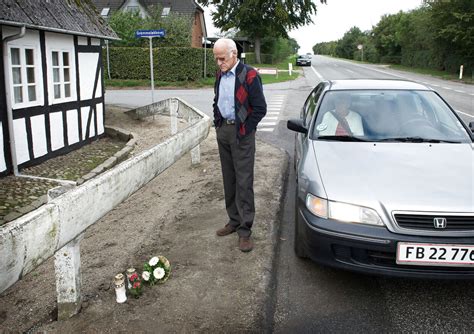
(426, 222)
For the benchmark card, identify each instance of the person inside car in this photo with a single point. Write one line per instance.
(341, 121)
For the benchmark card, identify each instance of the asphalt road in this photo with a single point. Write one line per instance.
(308, 298)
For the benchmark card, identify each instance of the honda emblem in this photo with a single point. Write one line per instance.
(440, 222)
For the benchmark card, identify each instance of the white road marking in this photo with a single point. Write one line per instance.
(317, 74)
(274, 106)
(472, 116)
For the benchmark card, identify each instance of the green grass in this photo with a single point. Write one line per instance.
(282, 77)
(469, 79)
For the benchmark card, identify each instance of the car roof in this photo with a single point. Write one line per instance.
(375, 84)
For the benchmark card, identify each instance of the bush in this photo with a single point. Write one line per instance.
(265, 58)
(169, 64)
(391, 60)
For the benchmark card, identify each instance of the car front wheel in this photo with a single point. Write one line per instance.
(297, 241)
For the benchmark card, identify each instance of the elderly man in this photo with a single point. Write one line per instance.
(239, 104)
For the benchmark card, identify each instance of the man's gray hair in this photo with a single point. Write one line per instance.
(228, 43)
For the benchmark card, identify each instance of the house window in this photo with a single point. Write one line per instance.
(133, 8)
(105, 12)
(23, 65)
(166, 11)
(61, 66)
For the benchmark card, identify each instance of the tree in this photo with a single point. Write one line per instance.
(262, 18)
(453, 25)
(279, 48)
(347, 45)
(325, 48)
(386, 37)
(177, 27)
(125, 23)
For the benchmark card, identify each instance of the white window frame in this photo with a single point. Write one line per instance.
(105, 11)
(37, 84)
(56, 42)
(165, 12)
(61, 82)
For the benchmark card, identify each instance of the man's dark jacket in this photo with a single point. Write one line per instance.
(250, 105)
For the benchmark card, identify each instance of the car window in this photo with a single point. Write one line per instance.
(336, 116)
(310, 105)
(377, 115)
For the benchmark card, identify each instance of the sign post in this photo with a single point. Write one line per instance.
(361, 48)
(150, 34)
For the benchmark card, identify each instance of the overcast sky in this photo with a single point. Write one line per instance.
(337, 17)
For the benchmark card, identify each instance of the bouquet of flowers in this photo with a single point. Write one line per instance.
(157, 270)
(136, 285)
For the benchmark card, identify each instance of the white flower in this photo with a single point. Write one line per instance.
(159, 273)
(154, 261)
(146, 275)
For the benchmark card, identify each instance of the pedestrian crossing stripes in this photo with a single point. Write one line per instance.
(274, 106)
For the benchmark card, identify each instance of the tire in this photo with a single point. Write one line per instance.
(297, 242)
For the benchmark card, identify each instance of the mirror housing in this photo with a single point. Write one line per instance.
(471, 126)
(296, 125)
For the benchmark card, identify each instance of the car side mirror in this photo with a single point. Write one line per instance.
(471, 126)
(296, 125)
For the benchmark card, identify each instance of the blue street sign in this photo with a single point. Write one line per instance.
(150, 33)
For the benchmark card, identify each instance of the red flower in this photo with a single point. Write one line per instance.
(136, 285)
(133, 277)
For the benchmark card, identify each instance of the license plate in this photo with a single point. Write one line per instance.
(435, 254)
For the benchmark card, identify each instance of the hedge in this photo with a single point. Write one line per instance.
(169, 64)
(265, 58)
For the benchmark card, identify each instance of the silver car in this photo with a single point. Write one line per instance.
(384, 180)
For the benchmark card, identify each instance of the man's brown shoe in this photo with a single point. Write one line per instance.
(245, 244)
(226, 230)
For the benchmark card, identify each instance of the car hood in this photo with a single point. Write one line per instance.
(398, 176)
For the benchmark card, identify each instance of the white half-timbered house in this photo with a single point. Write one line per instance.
(51, 87)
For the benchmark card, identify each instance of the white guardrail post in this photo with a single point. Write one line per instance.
(67, 267)
(57, 227)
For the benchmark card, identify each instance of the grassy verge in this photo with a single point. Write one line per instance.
(468, 79)
(282, 76)
(207, 82)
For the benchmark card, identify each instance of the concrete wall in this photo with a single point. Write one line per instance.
(33, 238)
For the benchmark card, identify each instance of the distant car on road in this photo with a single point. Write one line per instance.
(384, 180)
(303, 60)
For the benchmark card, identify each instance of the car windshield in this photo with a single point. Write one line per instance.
(388, 116)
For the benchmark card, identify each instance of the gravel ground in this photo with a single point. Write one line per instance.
(213, 286)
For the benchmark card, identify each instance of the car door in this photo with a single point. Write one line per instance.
(306, 116)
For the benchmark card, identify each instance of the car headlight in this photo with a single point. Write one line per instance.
(343, 212)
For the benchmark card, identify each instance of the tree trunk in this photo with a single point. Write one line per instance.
(257, 50)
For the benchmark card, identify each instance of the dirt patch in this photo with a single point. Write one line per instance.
(213, 286)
